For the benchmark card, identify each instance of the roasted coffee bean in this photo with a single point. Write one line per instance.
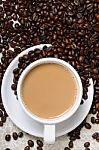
(14, 87)
(97, 115)
(66, 148)
(72, 138)
(1, 106)
(16, 71)
(15, 92)
(87, 126)
(81, 59)
(82, 102)
(85, 96)
(1, 113)
(86, 144)
(97, 138)
(1, 9)
(87, 148)
(39, 148)
(97, 106)
(3, 119)
(5, 114)
(15, 81)
(93, 111)
(15, 135)
(30, 143)
(27, 148)
(20, 134)
(1, 123)
(8, 137)
(95, 135)
(70, 144)
(92, 119)
(39, 143)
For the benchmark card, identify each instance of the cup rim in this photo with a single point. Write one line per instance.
(65, 115)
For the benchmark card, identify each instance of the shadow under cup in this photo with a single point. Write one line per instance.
(49, 124)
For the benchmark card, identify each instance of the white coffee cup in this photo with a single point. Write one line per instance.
(49, 124)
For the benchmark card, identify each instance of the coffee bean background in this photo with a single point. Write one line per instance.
(72, 27)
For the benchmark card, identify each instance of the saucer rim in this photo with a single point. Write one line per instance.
(7, 109)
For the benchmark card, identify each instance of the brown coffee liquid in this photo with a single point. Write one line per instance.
(49, 90)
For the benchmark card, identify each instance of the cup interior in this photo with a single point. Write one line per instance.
(66, 114)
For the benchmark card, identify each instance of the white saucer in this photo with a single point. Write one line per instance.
(23, 121)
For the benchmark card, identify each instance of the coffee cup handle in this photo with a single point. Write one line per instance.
(49, 134)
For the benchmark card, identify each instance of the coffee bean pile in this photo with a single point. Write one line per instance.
(27, 59)
(72, 27)
(68, 24)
